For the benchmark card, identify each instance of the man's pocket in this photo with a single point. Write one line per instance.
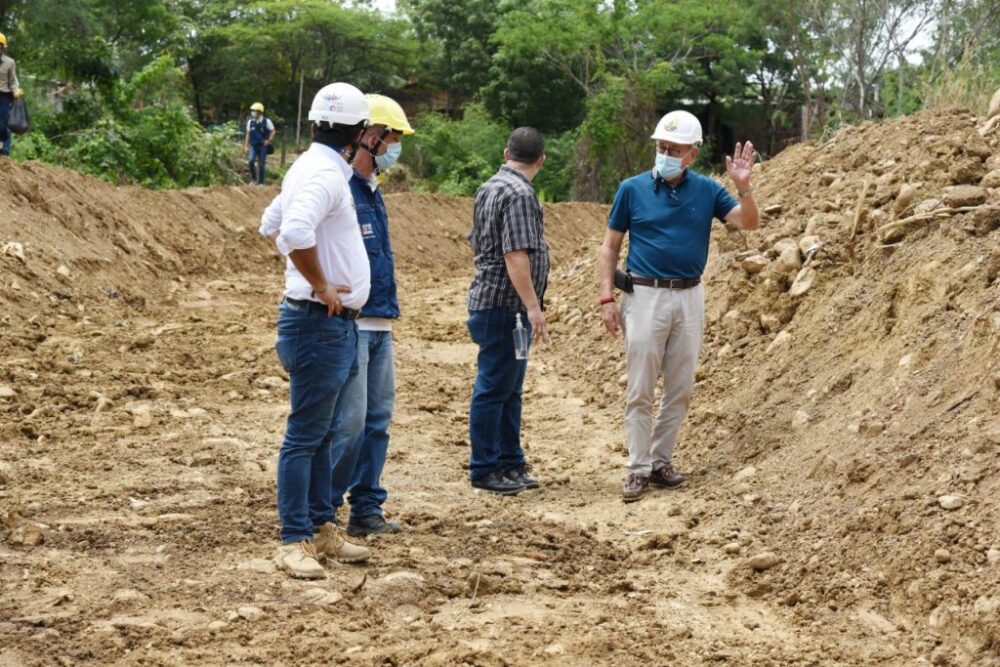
(287, 347)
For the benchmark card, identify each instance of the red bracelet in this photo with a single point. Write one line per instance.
(607, 299)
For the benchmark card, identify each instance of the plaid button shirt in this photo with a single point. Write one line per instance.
(507, 217)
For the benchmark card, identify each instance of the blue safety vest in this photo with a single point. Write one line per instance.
(258, 131)
(374, 222)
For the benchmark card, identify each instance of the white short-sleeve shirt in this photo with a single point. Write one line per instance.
(267, 124)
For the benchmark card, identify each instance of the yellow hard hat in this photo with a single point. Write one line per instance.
(3, 39)
(386, 111)
(257, 106)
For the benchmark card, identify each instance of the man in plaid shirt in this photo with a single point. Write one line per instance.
(512, 268)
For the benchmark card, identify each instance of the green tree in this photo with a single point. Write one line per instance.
(458, 37)
(963, 65)
(258, 51)
(628, 62)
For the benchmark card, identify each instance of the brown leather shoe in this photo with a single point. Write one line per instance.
(667, 478)
(635, 487)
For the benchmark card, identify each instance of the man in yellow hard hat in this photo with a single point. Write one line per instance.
(10, 90)
(363, 441)
(260, 134)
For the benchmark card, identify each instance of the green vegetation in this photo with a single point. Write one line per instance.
(127, 91)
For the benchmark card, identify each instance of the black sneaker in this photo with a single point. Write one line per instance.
(497, 483)
(372, 524)
(520, 475)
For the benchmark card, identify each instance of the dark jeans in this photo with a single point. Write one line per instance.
(495, 413)
(257, 156)
(320, 354)
(6, 102)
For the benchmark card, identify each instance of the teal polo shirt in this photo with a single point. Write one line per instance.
(668, 227)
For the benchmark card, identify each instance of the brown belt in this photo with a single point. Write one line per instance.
(670, 283)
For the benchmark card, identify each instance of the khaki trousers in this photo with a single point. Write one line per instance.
(663, 332)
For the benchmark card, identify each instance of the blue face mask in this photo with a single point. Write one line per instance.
(389, 158)
(668, 167)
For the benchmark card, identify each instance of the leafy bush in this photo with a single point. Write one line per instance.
(457, 156)
(140, 132)
(35, 146)
(105, 151)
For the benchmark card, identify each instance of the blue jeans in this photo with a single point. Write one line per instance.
(363, 442)
(495, 413)
(257, 154)
(319, 353)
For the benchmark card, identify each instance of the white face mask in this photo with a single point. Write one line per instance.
(389, 158)
(668, 167)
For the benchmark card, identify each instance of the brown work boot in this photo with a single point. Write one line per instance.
(635, 487)
(332, 542)
(667, 478)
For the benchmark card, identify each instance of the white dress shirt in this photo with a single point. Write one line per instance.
(315, 208)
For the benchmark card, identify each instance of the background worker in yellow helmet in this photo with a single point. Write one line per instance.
(369, 396)
(260, 135)
(10, 90)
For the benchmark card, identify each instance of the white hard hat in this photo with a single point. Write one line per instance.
(339, 103)
(680, 127)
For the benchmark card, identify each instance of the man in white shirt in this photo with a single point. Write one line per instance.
(327, 280)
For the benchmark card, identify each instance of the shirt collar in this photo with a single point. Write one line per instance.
(333, 156)
(511, 170)
(684, 178)
(371, 181)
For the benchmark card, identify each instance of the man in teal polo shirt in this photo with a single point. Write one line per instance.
(667, 213)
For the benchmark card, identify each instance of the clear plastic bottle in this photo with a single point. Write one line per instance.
(521, 340)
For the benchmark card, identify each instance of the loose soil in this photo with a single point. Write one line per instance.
(832, 428)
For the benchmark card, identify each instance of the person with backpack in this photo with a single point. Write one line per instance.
(260, 134)
(10, 91)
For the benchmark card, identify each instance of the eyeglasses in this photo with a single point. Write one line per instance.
(673, 151)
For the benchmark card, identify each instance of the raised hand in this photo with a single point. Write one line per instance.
(740, 164)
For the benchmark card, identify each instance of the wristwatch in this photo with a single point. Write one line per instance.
(745, 193)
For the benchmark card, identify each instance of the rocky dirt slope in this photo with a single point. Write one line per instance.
(844, 439)
(846, 415)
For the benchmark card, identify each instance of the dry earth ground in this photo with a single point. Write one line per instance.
(141, 408)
